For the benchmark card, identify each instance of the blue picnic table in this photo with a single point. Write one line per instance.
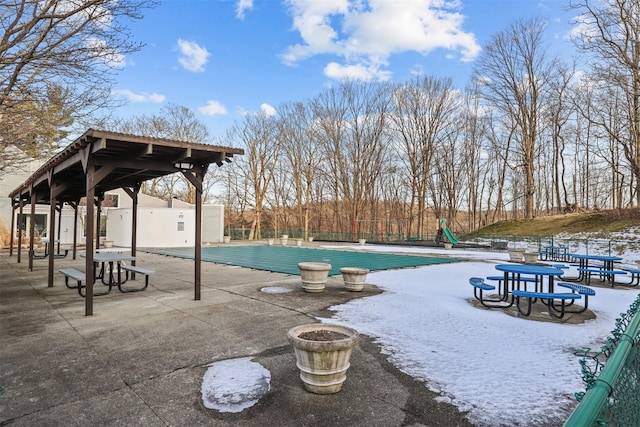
(513, 274)
(605, 270)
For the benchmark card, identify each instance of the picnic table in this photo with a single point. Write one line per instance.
(556, 303)
(110, 262)
(513, 275)
(606, 269)
(45, 241)
(555, 253)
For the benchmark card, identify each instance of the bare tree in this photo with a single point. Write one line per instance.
(609, 32)
(258, 135)
(351, 131)
(178, 123)
(423, 112)
(299, 139)
(59, 55)
(512, 71)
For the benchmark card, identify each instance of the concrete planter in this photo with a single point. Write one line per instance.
(354, 278)
(314, 275)
(298, 242)
(362, 241)
(270, 242)
(530, 257)
(310, 238)
(226, 239)
(448, 246)
(516, 255)
(323, 364)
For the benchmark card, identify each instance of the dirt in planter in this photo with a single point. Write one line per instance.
(322, 335)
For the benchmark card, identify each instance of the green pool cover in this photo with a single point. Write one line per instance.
(285, 259)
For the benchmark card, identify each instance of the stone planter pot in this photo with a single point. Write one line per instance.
(448, 246)
(270, 242)
(226, 239)
(284, 241)
(530, 257)
(354, 278)
(285, 236)
(314, 275)
(362, 241)
(107, 244)
(516, 255)
(323, 364)
(310, 238)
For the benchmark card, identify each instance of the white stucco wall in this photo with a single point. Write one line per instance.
(212, 223)
(157, 227)
(158, 224)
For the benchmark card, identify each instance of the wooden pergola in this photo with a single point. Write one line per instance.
(100, 161)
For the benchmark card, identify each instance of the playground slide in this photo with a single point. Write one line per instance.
(449, 235)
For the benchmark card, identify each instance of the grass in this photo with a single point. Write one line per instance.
(600, 223)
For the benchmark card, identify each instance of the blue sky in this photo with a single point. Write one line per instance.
(227, 58)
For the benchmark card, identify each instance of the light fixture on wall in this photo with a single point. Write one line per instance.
(183, 166)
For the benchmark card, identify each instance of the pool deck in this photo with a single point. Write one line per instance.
(140, 359)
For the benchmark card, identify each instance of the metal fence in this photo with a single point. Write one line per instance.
(612, 376)
(332, 236)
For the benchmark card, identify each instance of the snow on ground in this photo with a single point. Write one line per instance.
(503, 370)
(235, 384)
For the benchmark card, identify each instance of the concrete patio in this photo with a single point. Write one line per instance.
(140, 359)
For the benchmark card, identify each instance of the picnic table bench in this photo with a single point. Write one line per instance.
(79, 277)
(135, 270)
(635, 276)
(547, 299)
(581, 290)
(604, 274)
(480, 286)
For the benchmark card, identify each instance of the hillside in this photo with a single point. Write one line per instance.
(595, 222)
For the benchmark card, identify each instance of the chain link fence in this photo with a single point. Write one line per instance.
(612, 377)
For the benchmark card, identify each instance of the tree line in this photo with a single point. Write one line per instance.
(531, 135)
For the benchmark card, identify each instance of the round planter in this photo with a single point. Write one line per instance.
(323, 364)
(362, 241)
(270, 242)
(285, 236)
(516, 255)
(310, 238)
(314, 275)
(354, 278)
(448, 246)
(530, 257)
(227, 239)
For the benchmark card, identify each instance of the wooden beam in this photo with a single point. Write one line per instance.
(198, 242)
(52, 237)
(89, 267)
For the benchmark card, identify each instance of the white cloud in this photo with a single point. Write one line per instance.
(139, 97)
(355, 72)
(213, 108)
(268, 110)
(242, 6)
(193, 57)
(367, 32)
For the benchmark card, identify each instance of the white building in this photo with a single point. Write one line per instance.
(160, 223)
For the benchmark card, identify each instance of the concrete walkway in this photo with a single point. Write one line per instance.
(140, 359)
